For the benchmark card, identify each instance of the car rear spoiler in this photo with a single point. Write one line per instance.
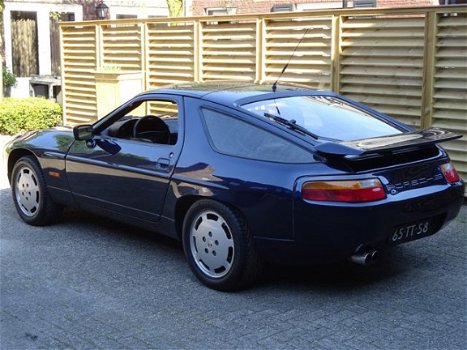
(386, 144)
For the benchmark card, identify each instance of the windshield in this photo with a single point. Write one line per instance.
(325, 116)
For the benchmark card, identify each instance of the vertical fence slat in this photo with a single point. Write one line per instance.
(429, 60)
(144, 64)
(62, 75)
(259, 49)
(146, 57)
(198, 54)
(99, 44)
(336, 50)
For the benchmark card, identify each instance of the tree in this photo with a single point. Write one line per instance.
(175, 8)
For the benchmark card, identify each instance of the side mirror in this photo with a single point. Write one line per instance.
(83, 132)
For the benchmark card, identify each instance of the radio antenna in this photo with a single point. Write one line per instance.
(274, 86)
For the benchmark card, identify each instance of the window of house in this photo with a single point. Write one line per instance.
(220, 11)
(282, 8)
(122, 16)
(231, 136)
(67, 16)
(359, 3)
(364, 3)
(24, 43)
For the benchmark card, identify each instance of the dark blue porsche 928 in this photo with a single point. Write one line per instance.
(243, 174)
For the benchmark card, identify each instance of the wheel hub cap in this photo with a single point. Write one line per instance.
(27, 191)
(212, 244)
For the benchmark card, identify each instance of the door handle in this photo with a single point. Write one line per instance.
(163, 162)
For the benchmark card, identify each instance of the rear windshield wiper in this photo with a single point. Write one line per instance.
(291, 124)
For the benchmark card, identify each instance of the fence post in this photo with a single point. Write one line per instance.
(260, 54)
(197, 51)
(429, 66)
(335, 52)
(62, 76)
(99, 45)
(144, 54)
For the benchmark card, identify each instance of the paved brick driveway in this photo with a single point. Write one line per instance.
(88, 283)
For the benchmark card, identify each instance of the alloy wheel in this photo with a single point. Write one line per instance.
(27, 191)
(212, 244)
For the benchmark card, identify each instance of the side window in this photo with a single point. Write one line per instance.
(237, 138)
(154, 121)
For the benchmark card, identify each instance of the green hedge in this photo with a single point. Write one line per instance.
(24, 114)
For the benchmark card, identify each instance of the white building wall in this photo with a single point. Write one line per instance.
(137, 8)
(188, 8)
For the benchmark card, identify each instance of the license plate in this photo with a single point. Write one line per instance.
(411, 232)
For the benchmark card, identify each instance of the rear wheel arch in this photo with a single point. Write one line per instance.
(186, 202)
(181, 208)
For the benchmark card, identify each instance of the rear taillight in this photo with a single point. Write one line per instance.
(450, 173)
(344, 191)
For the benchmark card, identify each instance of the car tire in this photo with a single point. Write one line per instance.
(32, 201)
(219, 247)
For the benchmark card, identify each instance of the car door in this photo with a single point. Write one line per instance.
(128, 175)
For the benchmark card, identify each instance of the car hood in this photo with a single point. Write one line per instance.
(57, 139)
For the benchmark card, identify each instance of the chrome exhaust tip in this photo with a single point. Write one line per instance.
(364, 258)
(361, 258)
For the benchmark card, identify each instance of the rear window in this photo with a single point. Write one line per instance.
(325, 116)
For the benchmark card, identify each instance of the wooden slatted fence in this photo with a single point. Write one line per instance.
(409, 62)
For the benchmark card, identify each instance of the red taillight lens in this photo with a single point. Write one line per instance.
(344, 191)
(450, 173)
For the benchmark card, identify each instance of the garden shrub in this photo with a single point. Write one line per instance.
(24, 114)
(9, 79)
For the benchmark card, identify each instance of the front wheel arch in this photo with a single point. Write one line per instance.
(46, 211)
(15, 155)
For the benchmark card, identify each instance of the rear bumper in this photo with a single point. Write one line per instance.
(332, 232)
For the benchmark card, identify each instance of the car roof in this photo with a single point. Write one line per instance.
(228, 92)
